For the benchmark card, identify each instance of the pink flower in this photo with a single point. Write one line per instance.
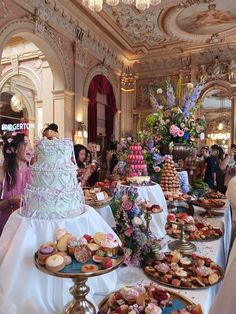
(157, 169)
(174, 130)
(180, 133)
(128, 232)
(127, 205)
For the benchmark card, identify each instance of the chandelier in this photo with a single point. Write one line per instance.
(96, 5)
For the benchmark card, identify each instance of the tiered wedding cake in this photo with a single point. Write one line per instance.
(169, 177)
(54, 191)
(137, 172)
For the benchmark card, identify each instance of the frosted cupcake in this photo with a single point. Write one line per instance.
(110, 247)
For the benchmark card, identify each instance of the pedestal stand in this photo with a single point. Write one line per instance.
(79, 304)
(182, 244)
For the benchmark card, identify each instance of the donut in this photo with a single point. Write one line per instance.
(44, 252)
(55, 263)
(89, 268)
(82, 253)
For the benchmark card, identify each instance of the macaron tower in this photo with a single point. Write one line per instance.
(137, 166)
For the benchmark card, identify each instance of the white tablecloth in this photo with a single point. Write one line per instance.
(154, 194)
(23, 288)
(216, 250)
(106, 213)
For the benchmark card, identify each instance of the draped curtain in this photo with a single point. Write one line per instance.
(100, 84)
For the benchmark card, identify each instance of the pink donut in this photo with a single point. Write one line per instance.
(46, 249)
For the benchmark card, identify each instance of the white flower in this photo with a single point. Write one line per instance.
(182, 125)
(137, 221)
(190, 85)
(159, 91)
(202, 136)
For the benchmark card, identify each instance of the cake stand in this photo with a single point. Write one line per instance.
(79, 303)
(182, 244)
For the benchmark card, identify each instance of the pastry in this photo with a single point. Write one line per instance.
(153, 309)
(110, 247)
(44, 252)
(72, 244)
(99, 237)
(63, 241)
(82, 253)
(213, 278)
(67, 259)
(89, 268)
(93, 247)
(55, 263)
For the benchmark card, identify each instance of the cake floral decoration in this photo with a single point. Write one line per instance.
(131, 227)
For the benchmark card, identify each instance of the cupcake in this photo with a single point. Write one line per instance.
(71, 245)
(110, 247)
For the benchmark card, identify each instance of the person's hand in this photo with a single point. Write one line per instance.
(14, 202)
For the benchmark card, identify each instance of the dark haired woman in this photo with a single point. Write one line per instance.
(17, 152)
(84, 173)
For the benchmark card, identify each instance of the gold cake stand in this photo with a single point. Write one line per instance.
(80, 304)
(182, 245)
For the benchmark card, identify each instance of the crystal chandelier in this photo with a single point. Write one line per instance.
(96, 5)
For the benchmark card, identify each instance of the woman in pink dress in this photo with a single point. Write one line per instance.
(17, 152)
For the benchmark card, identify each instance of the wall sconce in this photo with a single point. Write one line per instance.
(81, 132)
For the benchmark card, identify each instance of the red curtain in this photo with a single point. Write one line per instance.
(100, 84)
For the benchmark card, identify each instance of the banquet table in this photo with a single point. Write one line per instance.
(26, 290)
(216, 250)
(106, 213)
(154, 194)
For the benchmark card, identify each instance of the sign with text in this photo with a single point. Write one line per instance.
(17, 126)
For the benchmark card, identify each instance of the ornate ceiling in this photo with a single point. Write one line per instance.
(189, 27)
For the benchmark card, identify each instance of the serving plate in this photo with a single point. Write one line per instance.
(184, 271)
(145, 295)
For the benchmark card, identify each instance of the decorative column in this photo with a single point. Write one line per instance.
(81, 103)
(128, 83)
(38, 117)
(63, 112)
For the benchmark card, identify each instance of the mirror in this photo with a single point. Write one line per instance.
(216, 108)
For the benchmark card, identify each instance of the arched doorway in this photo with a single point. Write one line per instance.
(101, 110)
(217, 109)
(60, 95)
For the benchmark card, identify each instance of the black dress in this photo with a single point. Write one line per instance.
(211, 167)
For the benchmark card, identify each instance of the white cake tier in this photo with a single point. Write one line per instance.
(139, 180)
(55, 176)
(54, 151)
(51, 203)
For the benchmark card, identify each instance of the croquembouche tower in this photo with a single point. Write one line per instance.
(169, 177)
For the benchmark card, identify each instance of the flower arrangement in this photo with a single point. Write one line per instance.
(131, 227)
(174, 120)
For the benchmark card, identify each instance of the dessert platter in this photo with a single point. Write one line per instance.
(145, 298)
(79, 259)
(209, 203)
(184, 271)
(195, 228)
(79, 256)
(214, 195)
(91, 198)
